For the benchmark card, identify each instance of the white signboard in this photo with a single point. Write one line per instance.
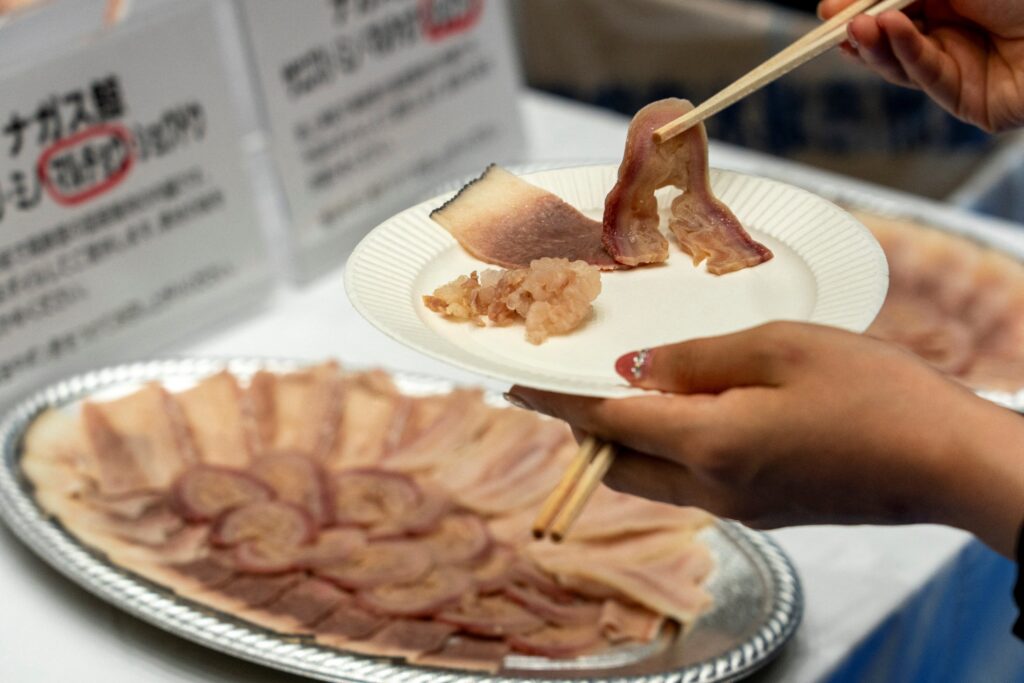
(126, 217)
(373, 102)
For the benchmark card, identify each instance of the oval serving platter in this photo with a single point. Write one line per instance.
(757, 593)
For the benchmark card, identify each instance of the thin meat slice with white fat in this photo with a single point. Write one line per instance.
(213, 410)
(464, 418)
(136, 442)
(622, 623)
(662, 571)
(298, 479)
(371, 426)
(610, 513)
(704, 227)
(501, 219)
(297, 411)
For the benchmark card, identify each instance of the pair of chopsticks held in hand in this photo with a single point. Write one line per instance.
(593, 458)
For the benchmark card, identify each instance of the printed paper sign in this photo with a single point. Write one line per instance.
(373, 102)
(126, 218)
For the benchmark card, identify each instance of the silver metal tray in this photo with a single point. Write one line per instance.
(757, 594)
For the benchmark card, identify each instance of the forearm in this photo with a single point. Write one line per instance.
(984, 480)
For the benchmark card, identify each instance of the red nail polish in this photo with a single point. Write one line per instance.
(633, 366)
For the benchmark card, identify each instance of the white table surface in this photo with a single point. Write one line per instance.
(52, 631)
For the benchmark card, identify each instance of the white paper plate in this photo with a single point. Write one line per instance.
(827, 269)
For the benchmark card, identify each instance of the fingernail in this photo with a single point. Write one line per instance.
(852, 41)
(517, 401)
(633, 366)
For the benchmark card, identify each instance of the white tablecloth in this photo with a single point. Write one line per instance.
(871, 593)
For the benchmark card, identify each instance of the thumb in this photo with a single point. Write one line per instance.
(708, 366)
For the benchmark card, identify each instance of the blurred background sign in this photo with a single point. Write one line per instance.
(126, 216)
(371, 102)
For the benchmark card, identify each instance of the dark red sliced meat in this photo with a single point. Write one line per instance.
(421, 598)
(348, 621)
(297, 479)
(410, 637)
(558, 642)
(308, 601)
(257, 591)
(493, 616)
(467, 653)
(207, 571)
(204, 491)
(459, 539)
(380, 563)
(271, 523)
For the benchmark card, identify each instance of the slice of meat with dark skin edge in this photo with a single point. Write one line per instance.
(373, 498)
(204, 492)
(298, 479)
(466, 653)
(554, 612)
(559, 642)
(460, 539)
(494, 572)
(380, 563)
(492, 616)
(116, 468)
(269, 522)
(424, 597)
(539, 224)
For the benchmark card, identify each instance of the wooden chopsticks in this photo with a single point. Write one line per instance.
(814, 43)
(566, 502)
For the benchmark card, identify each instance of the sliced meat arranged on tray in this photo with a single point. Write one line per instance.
(375, 522)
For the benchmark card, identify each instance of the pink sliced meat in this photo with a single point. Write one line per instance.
(331, 546)
(127, 506)
(374, 499)
(207, 571)
(297, 411)
(467, 654)
(465, 417)
(558, 642)
(492, 616)
(502, 219)
(272, 523)
(620, 623)
(424, 597)
(371, 426)
(380, 563)
(705, 228)
(493, 573)
(308, 602)
(564, 612)
(459, 539)
(297, 479)
(203, 492)
(501, 442)
(610, 514)
(214, 413)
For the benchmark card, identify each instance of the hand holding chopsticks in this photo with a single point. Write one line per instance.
(567, 501)
(817, 42)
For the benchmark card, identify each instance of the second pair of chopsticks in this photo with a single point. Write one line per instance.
(567, 501)
(816, 42)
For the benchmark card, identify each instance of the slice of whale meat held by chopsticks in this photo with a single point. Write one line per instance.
(500, 218)
(704, 227)
(553, 296)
